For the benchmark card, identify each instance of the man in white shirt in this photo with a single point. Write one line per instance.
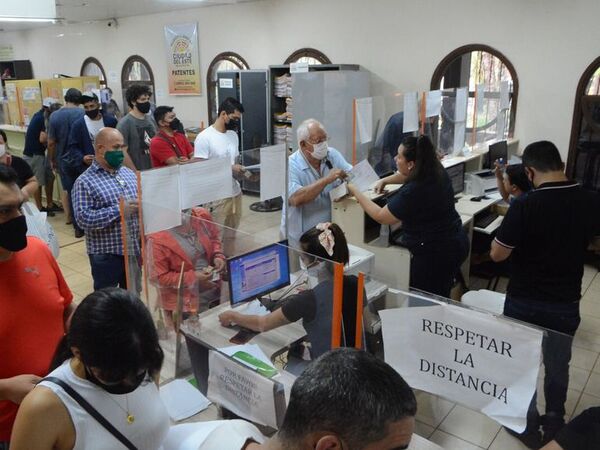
(221, 140)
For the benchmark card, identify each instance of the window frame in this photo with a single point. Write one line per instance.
(307, 52)
(440, 70)
(93, 60)
(125, 83)
(211, 84)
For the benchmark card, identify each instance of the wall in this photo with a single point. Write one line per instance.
(550, 43)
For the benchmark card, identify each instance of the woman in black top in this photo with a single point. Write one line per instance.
(326, 241)
(431, 227)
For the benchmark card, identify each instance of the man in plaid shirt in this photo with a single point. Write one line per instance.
(96, 197)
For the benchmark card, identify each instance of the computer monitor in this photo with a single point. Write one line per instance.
(457, 177)
(258, 272)
(498, 150)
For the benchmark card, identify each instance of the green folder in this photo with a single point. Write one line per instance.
(260, 366)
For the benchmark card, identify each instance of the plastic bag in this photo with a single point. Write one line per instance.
(38, 226)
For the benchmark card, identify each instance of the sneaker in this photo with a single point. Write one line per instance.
(551, 425)
(79, 233)
(56, 208)
(49, 212)
(531, 439)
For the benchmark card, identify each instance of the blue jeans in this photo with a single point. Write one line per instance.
(108, 270)
(556, 348)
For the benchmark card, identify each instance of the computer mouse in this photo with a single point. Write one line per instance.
(476, 199)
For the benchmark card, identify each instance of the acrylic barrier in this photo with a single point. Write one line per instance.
(250, 306)
(487, 362)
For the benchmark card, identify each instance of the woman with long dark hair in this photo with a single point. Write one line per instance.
(111, 358)
(424, 205)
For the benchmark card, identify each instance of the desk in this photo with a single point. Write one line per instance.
(211, 335)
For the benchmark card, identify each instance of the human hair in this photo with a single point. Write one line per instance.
(422, 152)
(55, 107)
(303, 133)
(517, 176)
(350, 393)
(114, 333)
(3, 134)
(8, 176)
(160, 112)
(230, 105)
(542, 156)
(73, 95)
(135, 91)
(310, 243)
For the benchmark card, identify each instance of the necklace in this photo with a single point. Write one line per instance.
(130, 418)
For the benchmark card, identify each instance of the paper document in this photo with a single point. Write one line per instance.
(273, 167)
(461, 105)
(411, 113)
(420, 443)
(363, 175)
(253, 308)
(459, 136)
(160, 187)
(204, 181)
(338, 192)
(504, 95)
(252, 349)
(480, 93)
(364, 119)
(433, 103)
(182, 399)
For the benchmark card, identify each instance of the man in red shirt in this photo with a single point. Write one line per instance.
(35, 304)
(170, 145)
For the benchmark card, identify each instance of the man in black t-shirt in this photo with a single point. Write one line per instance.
(546, 234)
(26, 179)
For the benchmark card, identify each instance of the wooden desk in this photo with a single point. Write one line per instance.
(211, 335)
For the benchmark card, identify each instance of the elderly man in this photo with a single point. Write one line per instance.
(96, 198)
(314, 170)
(35, 304)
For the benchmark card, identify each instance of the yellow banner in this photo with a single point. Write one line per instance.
(183, 61)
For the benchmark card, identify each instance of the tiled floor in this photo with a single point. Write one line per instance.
(452, 426)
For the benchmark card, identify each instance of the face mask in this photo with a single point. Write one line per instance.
(13, 234)
(320, 150)
(174, 125)
(143, 107)
(118, 388)
(114, 158)
(2, 149)
(93, 113)
(232, 125)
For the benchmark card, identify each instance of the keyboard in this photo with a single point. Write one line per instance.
(485, 218)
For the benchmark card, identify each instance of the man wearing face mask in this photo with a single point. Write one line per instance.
(96, 197)
(314, 170)
(138, 127)
(546, 234)
(35, 303)
(170, 146)
(25, 177)
(221, 140)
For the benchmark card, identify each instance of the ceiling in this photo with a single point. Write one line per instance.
(77, 11)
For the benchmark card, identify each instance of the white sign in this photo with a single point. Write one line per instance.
(29, 94)
(226, 83)
(272, 166)
(113, 76)
(299, 67)
(433, 103)
(462, 96)
(364, 119)
(7, 54)
(484, 362)
(242, 391)
(411, 113)
(504, 95)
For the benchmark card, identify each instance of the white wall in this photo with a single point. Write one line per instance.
(550, 43)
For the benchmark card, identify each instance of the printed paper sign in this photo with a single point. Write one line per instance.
(484, 362)
(183, 62)
(226, 83)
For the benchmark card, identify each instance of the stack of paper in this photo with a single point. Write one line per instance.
(283, 86)
(182, 399)
(280, 133)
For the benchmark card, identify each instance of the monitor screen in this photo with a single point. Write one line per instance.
(457, 177)
(258, 272)
(497, 151)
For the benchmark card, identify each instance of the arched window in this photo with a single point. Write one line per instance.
(583, 162)
(472, 65)
(309, 55)
(91, 67)
(136, 70)
(223, 61)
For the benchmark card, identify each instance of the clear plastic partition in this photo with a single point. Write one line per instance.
(452, 353)
(488, 117)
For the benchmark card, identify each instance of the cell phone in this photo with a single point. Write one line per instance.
(243, 336)
(216, 276)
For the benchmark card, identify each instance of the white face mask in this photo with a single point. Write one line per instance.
(2, 149)
(320, 150)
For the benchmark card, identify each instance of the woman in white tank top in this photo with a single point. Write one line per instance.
(111, 357)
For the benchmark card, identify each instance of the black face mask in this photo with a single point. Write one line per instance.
(13, 234)
(93, 113)
(175, 124)
(143, 107)
(119, 388)
(232, 125)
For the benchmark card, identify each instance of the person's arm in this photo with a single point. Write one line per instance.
(376, 212)
(499, 252)
(395, 178)
(552, 445)
(161, 269)
(43, 137)
(510, 233)
(123, 128)
(15, 389)
(41, 423)
(89, 217)
(307, 194)
(498, 171)
(30, 188)
(252, 322)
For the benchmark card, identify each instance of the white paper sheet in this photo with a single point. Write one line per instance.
(205, 181)
(30, 93)
(160, 199)
(364, 119)
(501, 125)
(182, 399)
(272, 169)
(251, 349)
(420, 443)
(504, 95)
(363, 175)
(411, 112)
(433, 103)
(459, 136)
(461, 105)
(338, 192)
(480, 92)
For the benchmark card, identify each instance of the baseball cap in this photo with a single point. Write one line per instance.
(87, 96)
(48, 101)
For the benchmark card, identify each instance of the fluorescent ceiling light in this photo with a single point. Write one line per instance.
(27, 19)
